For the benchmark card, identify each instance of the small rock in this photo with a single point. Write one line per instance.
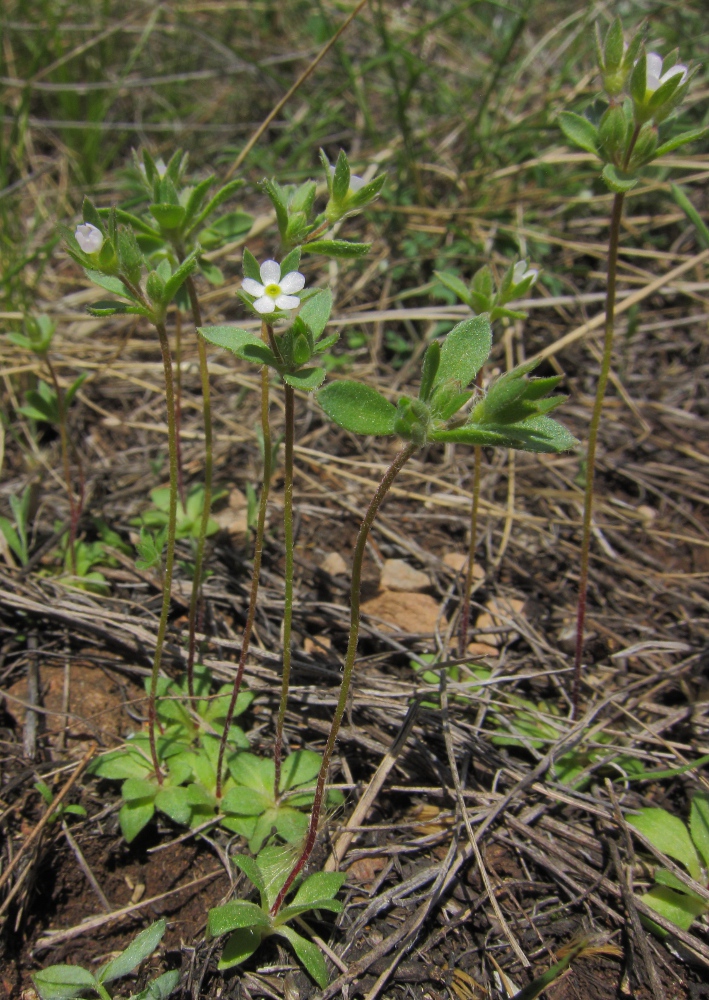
(317, 643)
(482, 649)
(233, 519)
(457, 561)
(366, 869)
(334, 564)
(399, 575)
(417, 613)
(500, 610)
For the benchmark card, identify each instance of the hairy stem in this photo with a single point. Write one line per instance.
(64, 443)
(208, 470)
(258, 550)
(392, 472)
(613, 241)
(468, 586)
(288, 596)
(170, 554)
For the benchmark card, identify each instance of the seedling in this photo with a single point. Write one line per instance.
(16, 535)
(249, 924)
(72, 982)
(63, 809)
(670, 897)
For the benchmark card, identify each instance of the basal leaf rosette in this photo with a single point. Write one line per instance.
(249, 924)
(251, 807)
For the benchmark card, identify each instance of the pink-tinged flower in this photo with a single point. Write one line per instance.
(89, 238)
(276, 292)
(654, 77)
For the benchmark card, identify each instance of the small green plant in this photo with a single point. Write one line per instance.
(466, 675)
(627, 130)
(249, 924)
(670, 897)
(63, 809)
(16, 535)
(188, 517)
(73, 982)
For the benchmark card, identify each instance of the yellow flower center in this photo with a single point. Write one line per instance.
(273, 291)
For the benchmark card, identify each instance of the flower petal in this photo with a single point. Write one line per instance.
(252, 287)
(287, 302)
(270, 272)
(520, 271)
(653, 70)
(356, 182)
(89, 238)
(677, 69)
(265, 304)
(293, 282)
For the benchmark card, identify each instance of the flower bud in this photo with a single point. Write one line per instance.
(89, 238)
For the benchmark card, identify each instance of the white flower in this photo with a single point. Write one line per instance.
(356, 182)
(276, 292)
(655, 77)
(521, 273)
(89, 238)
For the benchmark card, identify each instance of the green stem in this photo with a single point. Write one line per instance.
(258, 550)
(170, 554)
(288, 596)
(613, 242)
(64, 443)
(392, 472)
(468, 587)
(208, 471)
(178, 409)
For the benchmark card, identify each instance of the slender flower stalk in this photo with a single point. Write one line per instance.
(468, 586)
(170, 552)
(288, 595)
(178, 407)
(613, 242)
(208, 472)
(74, 508)
(392, 472)
(267, 335)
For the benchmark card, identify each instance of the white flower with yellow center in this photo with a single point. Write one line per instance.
(89, 238)
(276, 292)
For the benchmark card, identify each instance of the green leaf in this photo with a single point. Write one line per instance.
(299, 768)
(429, 369)
(465, 350)
(109, 283)
(160, 988)
(218, 199)
(670, 835)
(137, 951)
(173, 284)
(337, 248)
(307, 379)
(542, 435)
(297, 909)
(134, 816)
(175, 803)
(616, 180)
(250, 265)
(63, 982)
(245, 801)
(250, 868)
(138, 788)
(74, 388)
(240, 946)
(681, 909)
(275, 865)
(232, 338)
(315, 311)
(168, 216)
(341, 177)
(308, 953)
(119, 764)
(211, 272)
(454, 284)
(694, 135)
(692, 214)
(319, 886)
(358, 408)
(580, 131)
(665, 877)
(238, 913)
(699, 825)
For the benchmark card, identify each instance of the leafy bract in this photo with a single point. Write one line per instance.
(232, 338)
(579, 130)
(463, 352)
(308, 953)
(358, 408)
